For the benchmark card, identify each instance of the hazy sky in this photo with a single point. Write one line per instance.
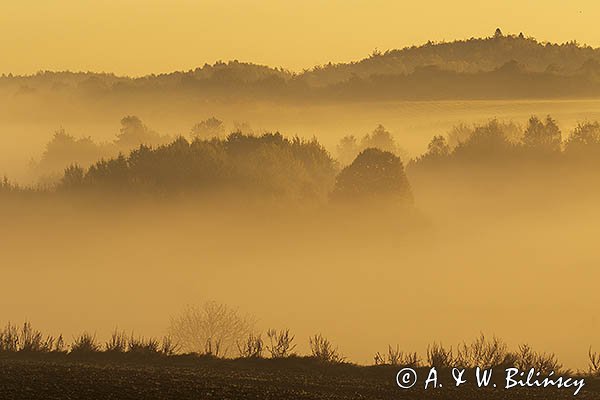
(138, 37)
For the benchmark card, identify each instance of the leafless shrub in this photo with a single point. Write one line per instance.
(396, 357)
(85, 344)
(323, 350)
(32, 340)
(482, 352)
(142, 346)
(169, 347)
(27, 339)
(117, 343)
(281, 343)
(120, 343)
(439, 357)
(59, 345)
(545, 363)
(210, 329)
(594, 362)
(252, 347)
(9, 338)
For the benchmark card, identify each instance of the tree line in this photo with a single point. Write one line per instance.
(499, 144)
(499, 66)
(273, 166)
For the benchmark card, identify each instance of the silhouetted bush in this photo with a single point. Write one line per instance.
(396, 357)
(281, 343)
(482, 353)
(594, 366)
(28, 340)
(322, 349)
(251, 347)
(525, 358)
(143, 346)
(32, 340)
(9, 339)
(439, 357)
(85, 344)
(117, 343)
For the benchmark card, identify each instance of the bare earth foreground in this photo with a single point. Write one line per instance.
(202, 378)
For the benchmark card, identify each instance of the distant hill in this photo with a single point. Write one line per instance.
(465, 56)
(501, 66)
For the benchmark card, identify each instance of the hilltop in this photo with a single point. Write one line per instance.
(500, 66)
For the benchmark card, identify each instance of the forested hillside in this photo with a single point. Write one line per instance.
(492, 67)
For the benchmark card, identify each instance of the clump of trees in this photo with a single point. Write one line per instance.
(496, 144)
(272, 166)
(208, 129)
(65, 149)
(584, 142)
(269, 165)
(349, 146)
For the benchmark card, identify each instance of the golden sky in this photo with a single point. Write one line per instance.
(137, 37)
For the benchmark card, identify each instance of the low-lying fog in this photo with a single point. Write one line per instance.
(516, 259)
(27, 125)
(519, 262)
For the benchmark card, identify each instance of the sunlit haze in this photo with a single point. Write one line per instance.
(141, 37)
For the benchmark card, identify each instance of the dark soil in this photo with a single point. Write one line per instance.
(45, 377)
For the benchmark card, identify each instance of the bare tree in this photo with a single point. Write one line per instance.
(211, 328)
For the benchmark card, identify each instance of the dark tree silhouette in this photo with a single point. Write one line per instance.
(438, 147)
(584, 141)
(64, 149)
(487, 141)
(347, 149)
(73, 177)
(373, 174)
(133, 133)
(542, 136)
(380, 138)
(269, 165)
(208, 129)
